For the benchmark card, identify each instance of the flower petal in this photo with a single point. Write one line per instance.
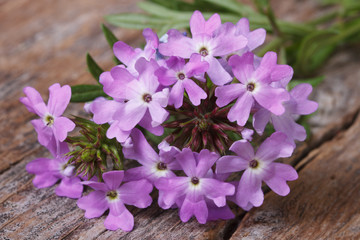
(177, 45)
(177, 94)
(281, 174)
(228, 164)
(198, 25)
(205, 160)
(249, 190)
(271, 98)
(218, 75)
(141, 149)
(33, 101)
(94, 204)
(217, 190)
(123, 52)
(70, 187)
(113, 179)
(44, 180)
(187, 161)
(226, 94)
(61, 127)
(158, 113)
(136, 193)
(59, 98)
(199, 209)
(195, 92)
(275, 146)
(241, 110)
(125, 221)
(260, 120)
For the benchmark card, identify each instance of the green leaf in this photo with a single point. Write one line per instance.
(315, 48)
(109, 35)
(233, 6)
(86, 93)
(111, 39)
(314, 82)
(93, 67)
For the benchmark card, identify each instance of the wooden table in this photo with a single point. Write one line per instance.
(44, 42)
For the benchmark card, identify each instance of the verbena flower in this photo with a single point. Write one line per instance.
(49, 171)
(179, 75)
(190, 192)
(259, 166)
(141, 100)
(112, 195)
(51, 123)
(128, 55)
(297, 105)
(210, 40)
(254, 87)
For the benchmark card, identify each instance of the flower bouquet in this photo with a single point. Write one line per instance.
(194, 120)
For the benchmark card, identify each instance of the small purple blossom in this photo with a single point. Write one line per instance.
(129, 55)
(259, 166)
(254, 86)
(51, 123)
(210, 40)
(49, 171)
(297, 105)
(154, 166)
(190, 192)
(179, 75)
(111, 195)
(137, 100)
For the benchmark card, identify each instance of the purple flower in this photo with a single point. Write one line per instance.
(191, 192)
(137, 100)
(49, 171)
(154, 166)
(129, 56)
(143, 95)
(178, 74)
(297, 105)
(254, 86)
(51, 123)
(255, 38)
(210, 40)
(259, 166)
(110, 195)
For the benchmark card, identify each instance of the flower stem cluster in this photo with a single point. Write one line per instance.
(213, 96)
(93, 150)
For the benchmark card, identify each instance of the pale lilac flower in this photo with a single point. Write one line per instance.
(198, 24)
(154, 165)
(259, 166)
(143, 95)
(255, 38)
(254, 86)
(138, 100)
(178, 74)
(49, 171)
(51, 123)
(111, 195)
(297, 105)
(191, 192)
(129, 56)
(209, 40)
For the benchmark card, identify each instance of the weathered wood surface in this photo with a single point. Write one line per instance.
(43, 42)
